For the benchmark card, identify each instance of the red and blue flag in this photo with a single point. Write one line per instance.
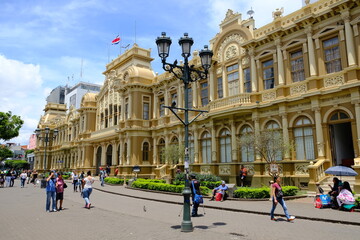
(116, 40)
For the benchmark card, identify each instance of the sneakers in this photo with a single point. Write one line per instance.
(274, 219)
(54, 210)
(291, 218)
(89, 205)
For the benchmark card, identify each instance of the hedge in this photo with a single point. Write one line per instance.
(263, 192)
(115, 180)
(164, 187)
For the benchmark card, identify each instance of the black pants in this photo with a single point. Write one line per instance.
(12, 182)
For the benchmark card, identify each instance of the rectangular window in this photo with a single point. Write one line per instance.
(268, 71)
(146, 111)
(233, 79)
(126, 108)
(297, 66)
(247, 80)
(220, 87)
(73, 100)
(204, 93)
(332, 55)
(161, 107)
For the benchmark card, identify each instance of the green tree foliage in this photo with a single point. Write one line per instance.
(17, 164)
(5, 153)
(30, 151)
(9, 125)
(172, 154)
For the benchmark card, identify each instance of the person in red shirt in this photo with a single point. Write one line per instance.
(243, 174)
(277, 197)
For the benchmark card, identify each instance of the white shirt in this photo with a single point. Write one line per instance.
(88, 182)
(23, 175)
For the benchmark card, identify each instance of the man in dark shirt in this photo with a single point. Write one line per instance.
(194, 184)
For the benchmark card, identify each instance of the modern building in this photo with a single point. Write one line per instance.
(57, 95)
(32, 142)
(298, 75)
(74, 94)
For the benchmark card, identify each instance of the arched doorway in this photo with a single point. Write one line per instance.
(98, 160)
(109, 155)
(341, 140)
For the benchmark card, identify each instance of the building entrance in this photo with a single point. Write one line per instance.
(342, 148)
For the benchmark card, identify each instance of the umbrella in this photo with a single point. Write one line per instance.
(341, 171)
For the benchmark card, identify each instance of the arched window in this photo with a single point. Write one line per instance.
(274, 126)
(339, 115)
(145, 152)
(191, 149)
(304, 139)
(247, 152)
(225, 146)
(206, 147)
(161, 150)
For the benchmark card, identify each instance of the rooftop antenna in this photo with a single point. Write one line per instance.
(250, 13)
(81, 69)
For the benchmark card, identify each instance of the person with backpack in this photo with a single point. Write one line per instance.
(195, 189)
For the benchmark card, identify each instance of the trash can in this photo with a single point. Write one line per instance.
(43, 183)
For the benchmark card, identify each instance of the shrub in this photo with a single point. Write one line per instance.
(114, 180)
(151, 180)
(263, 192)
(151, 185)
(357, 202)
(200, 177)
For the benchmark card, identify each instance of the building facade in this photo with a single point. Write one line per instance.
(74, 94)
(298, 74)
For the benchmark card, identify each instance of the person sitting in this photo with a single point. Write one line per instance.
(221, 190)
(345, 196)
(319, 189)
(335, 191)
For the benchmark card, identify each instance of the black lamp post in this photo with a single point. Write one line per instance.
(46, 139)
(188, 74)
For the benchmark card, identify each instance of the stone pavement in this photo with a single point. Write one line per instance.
(302, 208)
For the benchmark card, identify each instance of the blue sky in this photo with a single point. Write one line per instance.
(43, 42)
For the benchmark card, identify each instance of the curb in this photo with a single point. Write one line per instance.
(233, 209)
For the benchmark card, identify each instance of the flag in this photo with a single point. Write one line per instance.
(116, 40)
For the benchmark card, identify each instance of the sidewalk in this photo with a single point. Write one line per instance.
(302, 208)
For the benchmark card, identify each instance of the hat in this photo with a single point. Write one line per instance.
(222, 182)
(192, 176)
(100, 168)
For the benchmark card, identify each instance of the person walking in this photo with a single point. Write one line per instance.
(243, 174)
(13, 176)
(88, 181)
(195, 185)
(277, 197)
(23, 177)
(34, 177)
(102, 176)
(28, 173)
(81, 178)
(59, 191)
(75, 178)
(7, 178)
(51, 192)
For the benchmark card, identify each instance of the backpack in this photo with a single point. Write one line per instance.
(197, 197)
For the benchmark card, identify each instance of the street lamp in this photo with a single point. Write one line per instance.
(46, 139)
(188, 74)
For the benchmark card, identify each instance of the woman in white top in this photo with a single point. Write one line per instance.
(75, 178)
(23, 177)
(88, 181)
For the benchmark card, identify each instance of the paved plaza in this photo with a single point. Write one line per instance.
(121, 213)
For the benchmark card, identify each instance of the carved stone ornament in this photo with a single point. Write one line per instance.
(231, 51)
(237, 38)
(205, 170)
(334, 81)
(245, 61)
(298, 89)
(279, 167)
(301, 168)
(224, 170)
(229, 15)
(219, 71)
(268, 96)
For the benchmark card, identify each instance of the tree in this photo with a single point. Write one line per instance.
(268, 144)
(172, 154)
(5, 152)
(9, 125)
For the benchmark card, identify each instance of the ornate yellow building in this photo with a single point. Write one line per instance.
(298, 74)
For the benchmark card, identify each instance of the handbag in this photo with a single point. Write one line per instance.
(65, 185)
(197, 197)
(279, 194)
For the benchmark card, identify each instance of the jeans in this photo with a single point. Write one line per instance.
(282, 203)
(7, 181)
(23, 182)
(102, 181)
(86, 195)
(195, 208)
(50, 195)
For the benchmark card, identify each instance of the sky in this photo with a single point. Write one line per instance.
(46, 43)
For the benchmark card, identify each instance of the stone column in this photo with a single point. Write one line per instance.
(285, 132)
(213, 143)
(234, 156)
(211, 83)
(166, 102)
(196, 145)
(128, 157)
(253, 69)
(122, 116)
(311, 51)
(255, 117)
(130, 107)
(319, 133)
(156, 106)
(103, 155)
(350, 49)
(94, 157)
(224, 82)
(114, 157)
(280, 62)
(155, 152)
(357, 115)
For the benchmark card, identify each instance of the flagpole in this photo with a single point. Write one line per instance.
(135, 31)
(108, 52)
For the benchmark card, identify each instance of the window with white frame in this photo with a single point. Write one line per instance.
(268, 74)
(247, 152)
(304, 139)
(161, 107)
(297, 66)
(220, 87)
(206, 147)
(233, 79)
(247, 80)
(146, 108)
(332, 56)
(225, 146)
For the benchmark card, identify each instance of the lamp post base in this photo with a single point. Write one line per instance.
(186, 226)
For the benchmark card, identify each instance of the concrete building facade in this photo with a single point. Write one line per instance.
(298, 74)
